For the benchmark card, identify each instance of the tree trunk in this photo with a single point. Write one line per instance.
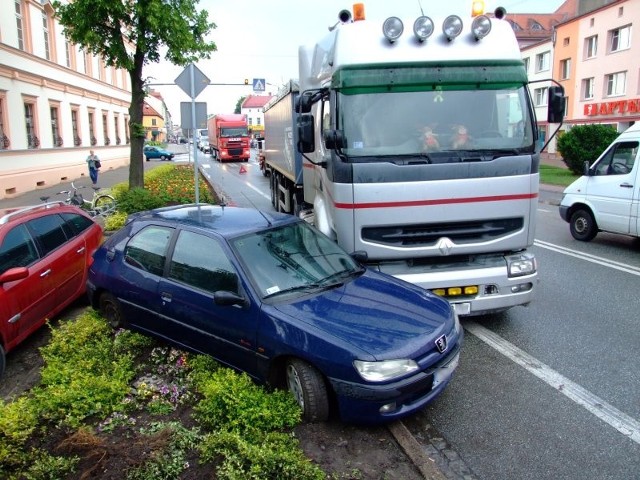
(136, 131)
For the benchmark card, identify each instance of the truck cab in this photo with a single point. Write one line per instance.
(607, 197)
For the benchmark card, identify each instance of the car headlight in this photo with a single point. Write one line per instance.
(521, 265)
(384, 370)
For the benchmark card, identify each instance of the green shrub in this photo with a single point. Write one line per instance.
(584, 143)
(18, 420)
(138, 200)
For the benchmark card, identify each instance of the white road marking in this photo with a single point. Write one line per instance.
(256, 189)
(623, 267)
(622, 422)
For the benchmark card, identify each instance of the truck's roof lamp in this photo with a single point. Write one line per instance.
(481, 27)
(423, 28)
(392, 28)
(452, 27)
(358, 12)
(477, 8)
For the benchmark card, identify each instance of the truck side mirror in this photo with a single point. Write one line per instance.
(303, 104)
(555, 109)
(333, 139)
(306, 136)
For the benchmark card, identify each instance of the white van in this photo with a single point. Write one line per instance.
(607, 197)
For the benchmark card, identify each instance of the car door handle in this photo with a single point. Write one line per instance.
(165, 297)
(626, 185)
(15, 318)
(80, 250)
(45, 273)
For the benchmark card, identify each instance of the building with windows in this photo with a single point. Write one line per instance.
(56, 102)
(593, 55)
(253, 108)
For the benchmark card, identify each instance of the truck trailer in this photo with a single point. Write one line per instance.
(229, 137)
(419, 148)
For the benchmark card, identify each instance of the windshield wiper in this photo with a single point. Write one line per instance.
(337, 279)
(299, 288)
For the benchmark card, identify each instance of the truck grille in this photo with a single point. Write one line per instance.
(427, 235)
(235, 151)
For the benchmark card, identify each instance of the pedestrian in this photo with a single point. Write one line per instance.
(94, 165)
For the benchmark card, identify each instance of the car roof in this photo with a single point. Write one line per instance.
(224, 220)
(9, 214)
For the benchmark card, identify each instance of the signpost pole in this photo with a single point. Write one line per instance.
(193, 123)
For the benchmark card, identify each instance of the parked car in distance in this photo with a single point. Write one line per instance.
(607, 196)
(45, 252)
(269, 295)
(151, 151)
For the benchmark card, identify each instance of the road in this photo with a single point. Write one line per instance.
(548, 391)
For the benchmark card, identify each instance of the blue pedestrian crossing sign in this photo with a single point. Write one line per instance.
(259, 85)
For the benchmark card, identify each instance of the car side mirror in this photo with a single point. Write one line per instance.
(225, 298)
(360, 256)
(13, 274)
(586, 170)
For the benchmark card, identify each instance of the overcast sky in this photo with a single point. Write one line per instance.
(260, 39)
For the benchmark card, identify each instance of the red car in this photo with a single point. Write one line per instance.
(45, 252)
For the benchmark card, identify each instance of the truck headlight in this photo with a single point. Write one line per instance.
(519, 265)
(384, 370)
(481, 27)
(422, 28)
(452, 27)
(392, 28)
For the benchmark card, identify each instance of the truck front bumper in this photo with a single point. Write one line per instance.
(486, 278)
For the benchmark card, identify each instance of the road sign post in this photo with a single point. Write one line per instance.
(192, 81)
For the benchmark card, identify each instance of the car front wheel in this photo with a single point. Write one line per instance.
(309, 390)
(583, 226)
(111, 311)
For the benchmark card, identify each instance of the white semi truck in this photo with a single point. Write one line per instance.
(419, 148)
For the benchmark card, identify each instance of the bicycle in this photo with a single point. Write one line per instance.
(101, 204)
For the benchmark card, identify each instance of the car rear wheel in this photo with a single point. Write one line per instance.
(163, 157)
(309, 390)
(583, 226)
(111, 311)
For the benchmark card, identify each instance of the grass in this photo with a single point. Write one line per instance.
(556, 175)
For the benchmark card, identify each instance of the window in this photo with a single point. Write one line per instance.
(565, 42)
(540, 96)
(105, 131)
(618, 160)
(620, 39)
(542, 61)
(67, 54)
(616, 84)
(48, 232)
(17, 249)
(591, 47)
(92, 132)
(201, 262)
(526, 64)
(116, 130)
(30, 124)
(76, 223)
(565, 69)
(19, 24)
(147, 250)
(77, 141)
(55, 126)
(45, 32)
(126, 130)
(536, 27)
(587, 88)
(4, 138)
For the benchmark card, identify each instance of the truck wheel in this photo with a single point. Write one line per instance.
(583, 226)
(110, 310)
(309, 390)
(274, 188)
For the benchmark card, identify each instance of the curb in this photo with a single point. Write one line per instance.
(414, 451)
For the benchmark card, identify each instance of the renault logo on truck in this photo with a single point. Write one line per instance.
(445, 245)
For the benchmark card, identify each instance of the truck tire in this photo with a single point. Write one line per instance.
(308, 388)
(274, 188)
(583, 226)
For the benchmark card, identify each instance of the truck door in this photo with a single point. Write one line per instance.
(610, 190)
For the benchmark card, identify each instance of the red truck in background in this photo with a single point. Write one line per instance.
(229, 137)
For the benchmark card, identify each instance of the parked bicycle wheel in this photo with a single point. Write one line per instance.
(104, 204)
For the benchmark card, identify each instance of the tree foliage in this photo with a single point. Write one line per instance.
(584, 143)
(239, 104)
(130, 34)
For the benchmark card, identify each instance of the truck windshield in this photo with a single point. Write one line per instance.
(418, 122)
(234, 132)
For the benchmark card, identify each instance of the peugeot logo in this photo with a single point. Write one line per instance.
(445, 245)
(441, 343)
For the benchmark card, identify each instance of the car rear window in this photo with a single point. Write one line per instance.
(17, 249)
(48, 231)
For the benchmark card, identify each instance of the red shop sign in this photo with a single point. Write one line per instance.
(611, 108)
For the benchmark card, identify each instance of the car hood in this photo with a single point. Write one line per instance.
(377, 314)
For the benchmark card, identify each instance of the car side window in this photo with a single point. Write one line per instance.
(17, 249)
(201, 262)
(77, 223)
(619, 160)
(48, 232)
(147, 250)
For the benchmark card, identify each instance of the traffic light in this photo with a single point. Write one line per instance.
(246, 81)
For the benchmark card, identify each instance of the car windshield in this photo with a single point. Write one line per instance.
(434, 121)
(293, 259)
(234, 132)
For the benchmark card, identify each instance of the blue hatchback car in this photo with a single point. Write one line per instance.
(269, 295)
(151, 151)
